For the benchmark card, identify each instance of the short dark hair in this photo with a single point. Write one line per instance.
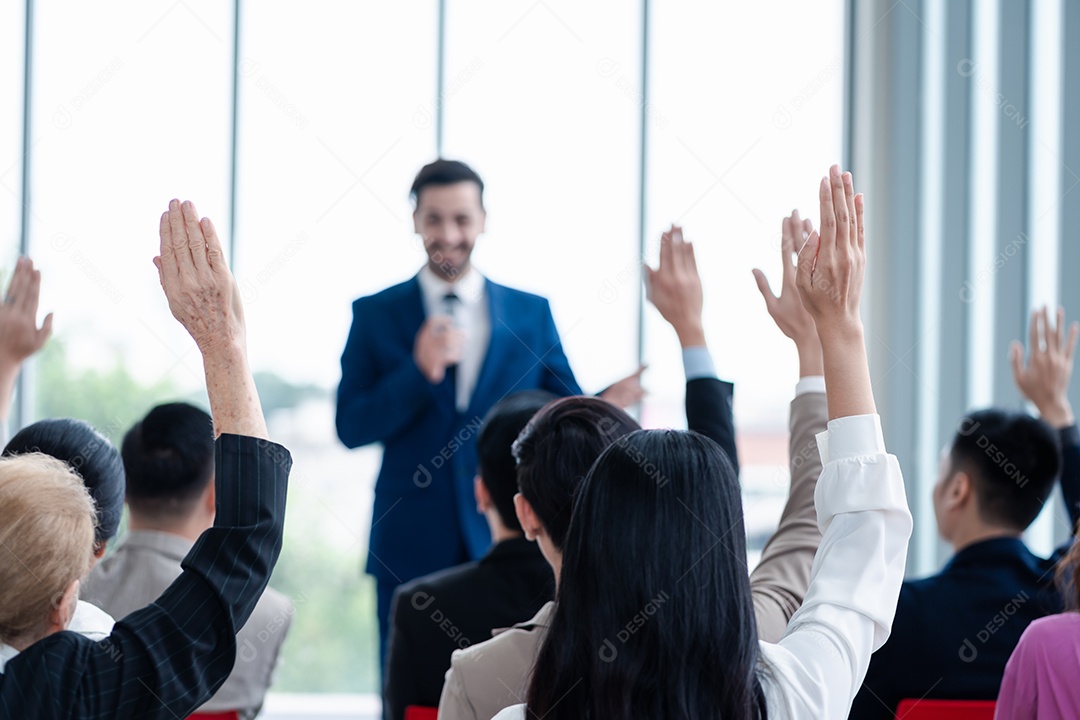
(169, 459)
(87, 452)
(444, 172)
(556, 450)
(495, 458)
(1013, 460)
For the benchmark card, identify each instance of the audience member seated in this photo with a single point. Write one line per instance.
(954, 631)
(488, 677)
(434, 615)
(1041, 676)
(96, 461)
(165, 660)
(20, 337)
(169, 460)
(655, 617)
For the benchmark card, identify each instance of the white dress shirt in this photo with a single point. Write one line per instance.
(470, 313)
(819, 664)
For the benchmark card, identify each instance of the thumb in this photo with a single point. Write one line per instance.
(807, 259)
(1016, 359)
(45, 331)
(763, 287)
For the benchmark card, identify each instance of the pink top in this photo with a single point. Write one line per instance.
(1042, 678)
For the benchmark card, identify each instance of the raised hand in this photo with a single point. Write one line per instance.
(203, 296)
(787, 310)
(675, 288)
(830, 279)
(439, 344)
(201, 291)
(20, 337)
(1044, 380)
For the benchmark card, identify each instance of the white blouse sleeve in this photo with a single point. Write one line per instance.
(819, 664)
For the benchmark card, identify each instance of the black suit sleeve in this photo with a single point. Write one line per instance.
(164, 661)
(399, 690)
(709, 412)
(1070, 471)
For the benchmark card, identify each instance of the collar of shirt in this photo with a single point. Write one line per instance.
(6, 653)
(168, 544)
(469, 289)
(989, 553)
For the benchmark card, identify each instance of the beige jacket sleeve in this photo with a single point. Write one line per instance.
(780, 580)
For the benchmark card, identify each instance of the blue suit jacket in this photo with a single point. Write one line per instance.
(425, 515)
(954, 631)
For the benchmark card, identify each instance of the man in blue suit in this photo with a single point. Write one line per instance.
(424, 361)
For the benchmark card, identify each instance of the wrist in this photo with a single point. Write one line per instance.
(841, 336)
(691, 335)
(1059, 414)
(811, 359)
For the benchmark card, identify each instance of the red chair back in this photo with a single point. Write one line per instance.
(231, 715)
(416, 712)
(946, 710)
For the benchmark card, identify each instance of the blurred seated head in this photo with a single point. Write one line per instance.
(47, 525)
(88, 453)
(169, 462)
(554, 452)
(496, 479)
(654, 589)
(996, 475)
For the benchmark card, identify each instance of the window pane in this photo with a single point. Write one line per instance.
(125, 118)
(331, 135)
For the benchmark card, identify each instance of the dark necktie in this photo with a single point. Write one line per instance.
(451, 305)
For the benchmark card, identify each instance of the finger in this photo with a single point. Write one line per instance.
(859, 202)
(1043, 330)
(839, 200)
(665, 251)
(807, 261)
(27, 301)
(787, 249)
(678, 249)
(1070, 345)
(849, 202)
(45, 331)
(167, 253)
(1016, 359)
(215, 253)
(827, 235)
(1033, 333)
(764, 289)
(18, 281)
(807, 228)
(691, 259)
(179, 237)
(195, 239)
(1059, 330)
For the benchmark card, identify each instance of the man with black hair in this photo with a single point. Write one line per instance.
(452, 609)
(424, 361)
(169, 462)
(954, 631)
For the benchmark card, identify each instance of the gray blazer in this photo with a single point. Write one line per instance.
(145, 564)
(489, 676)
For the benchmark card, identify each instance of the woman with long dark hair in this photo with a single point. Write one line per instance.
(654, 616)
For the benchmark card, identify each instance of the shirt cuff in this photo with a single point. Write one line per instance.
(698, 363)
(850, 437)
(810, 384)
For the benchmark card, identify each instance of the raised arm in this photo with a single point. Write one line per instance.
(167, 659)
(1044, 380)
(674, 288)
(20, 337)
(862, 509)
(780, 580)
